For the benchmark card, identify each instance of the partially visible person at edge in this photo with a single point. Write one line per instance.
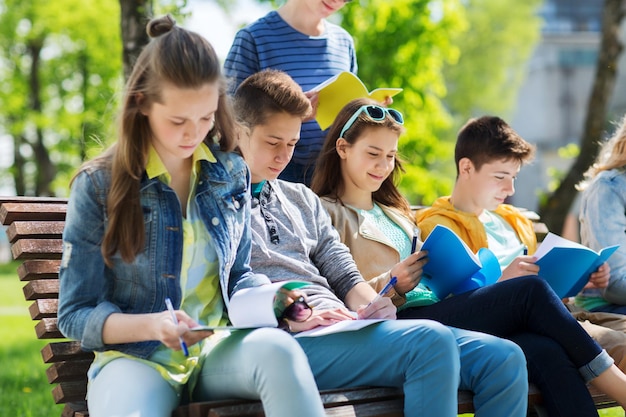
(294, 239)
(603, 221)
(298, 39)
(165, 213)
(356, 175)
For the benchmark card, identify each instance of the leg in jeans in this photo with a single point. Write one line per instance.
(420, 356)
(562, 387)
(520, 305)
(494, 369)
(523, 306)
(129, 388)
(266, 364)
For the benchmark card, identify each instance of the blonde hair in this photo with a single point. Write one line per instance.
(612, 153)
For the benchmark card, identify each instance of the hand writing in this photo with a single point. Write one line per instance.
(382, 308)
(321, 318)
(169, 333)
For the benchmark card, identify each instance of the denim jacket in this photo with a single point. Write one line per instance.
(90, 291)
(602, 224)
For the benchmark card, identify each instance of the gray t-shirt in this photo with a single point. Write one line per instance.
(308, 247)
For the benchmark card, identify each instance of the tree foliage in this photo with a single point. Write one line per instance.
(59, 74)
(493, 56)
(407, 43)
(61, 78)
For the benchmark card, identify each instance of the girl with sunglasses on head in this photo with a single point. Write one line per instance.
(292, 238)
(298, 39)
(164, 214)
(355, 177)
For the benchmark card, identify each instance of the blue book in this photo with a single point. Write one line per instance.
(566, 265)
(452, 267)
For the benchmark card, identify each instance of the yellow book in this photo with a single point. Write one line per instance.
(339, 90)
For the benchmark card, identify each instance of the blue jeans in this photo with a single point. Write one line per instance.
(429, 361)
(266, 364)
(561, 356)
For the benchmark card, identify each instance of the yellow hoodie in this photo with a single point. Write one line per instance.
(469, 228)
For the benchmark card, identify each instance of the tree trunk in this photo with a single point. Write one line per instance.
(554, 210)
(45, 168)
(134, 17)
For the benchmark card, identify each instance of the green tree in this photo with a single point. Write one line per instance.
(493, 56)
(407, 43)
(59, 74)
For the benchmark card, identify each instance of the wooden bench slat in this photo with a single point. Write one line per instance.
(35, 229)
(71, 370)
(38, 269)
(47, 329)
(75, 409)
(16, 211)
(66, 392)
(63, 351)
(37, 248)
(41, 288)
(43, 308)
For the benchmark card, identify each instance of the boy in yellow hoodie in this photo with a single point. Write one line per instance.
(488, 155)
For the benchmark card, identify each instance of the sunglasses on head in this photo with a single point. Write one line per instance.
(376, 113)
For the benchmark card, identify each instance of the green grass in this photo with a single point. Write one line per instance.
(25, 389)
(23, 384)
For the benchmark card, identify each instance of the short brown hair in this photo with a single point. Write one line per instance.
(266, 93)
(489, 138)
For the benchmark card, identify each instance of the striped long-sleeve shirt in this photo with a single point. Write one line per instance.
(271, 43)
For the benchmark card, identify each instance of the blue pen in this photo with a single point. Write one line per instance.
(414, 242)
(170, 307)
(385, 290)
(525, 250)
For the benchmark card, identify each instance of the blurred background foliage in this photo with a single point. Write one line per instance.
(62, 73)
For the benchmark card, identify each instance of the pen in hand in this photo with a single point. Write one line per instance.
(170, 307)
(385, 290)
(414, 242)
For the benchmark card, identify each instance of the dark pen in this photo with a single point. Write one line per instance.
(414, 242)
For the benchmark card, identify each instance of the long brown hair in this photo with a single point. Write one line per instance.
(177, 57)
(327, 179)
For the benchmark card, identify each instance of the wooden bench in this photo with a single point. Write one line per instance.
(35, 226)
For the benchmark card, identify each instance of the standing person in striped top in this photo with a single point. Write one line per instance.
(297, 39)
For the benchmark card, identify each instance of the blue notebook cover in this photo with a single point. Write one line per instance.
(566, 265)
(452, 268)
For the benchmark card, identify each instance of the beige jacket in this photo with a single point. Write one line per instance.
(372, 251)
